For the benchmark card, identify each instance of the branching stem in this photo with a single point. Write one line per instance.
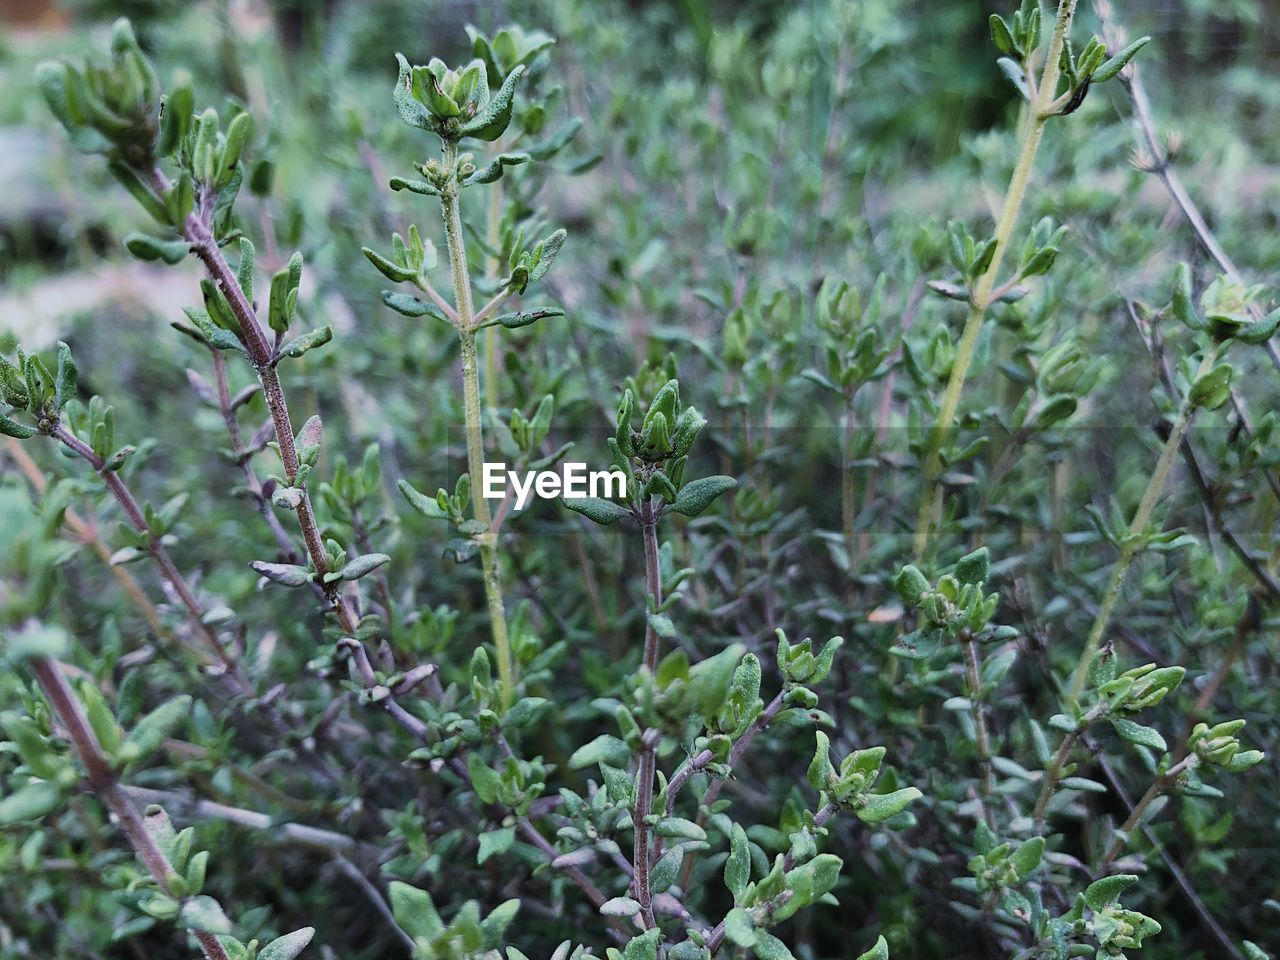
(451, 210)
(102, 780)
(930, 500)
(1133, 539)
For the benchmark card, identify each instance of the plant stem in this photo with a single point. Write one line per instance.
(492, 229)
(451, 208)
(646, 762)
(1137, 528)
(982, 739)
(301, 834)
(199, 234)
(168, 570)
(847, 507)
(242, 455)
(102, 780)
(716, 937)
(85, 530)
(931, 499)
(1158, 787)
(713, 791)
(1162, 166)
(1054, 771)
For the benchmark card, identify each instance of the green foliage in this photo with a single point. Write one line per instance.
(1028, 480)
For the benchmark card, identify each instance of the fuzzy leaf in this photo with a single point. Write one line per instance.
(882, 806)
(411, 306)
(30, 802)
(1137, 733)
(414, 911)
(491, 122)
(149, 248)
(596, 509)
(285, 574)
(1105, 892)
(1119, 61)
(308, 341)
(289, 946)
(696, 496)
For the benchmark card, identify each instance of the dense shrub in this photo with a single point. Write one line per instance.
(936, 619)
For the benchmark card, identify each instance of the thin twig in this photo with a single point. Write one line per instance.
(102, 780)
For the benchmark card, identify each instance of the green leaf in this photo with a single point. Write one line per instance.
(769, 947)
(1105, 892)
(1028, 855)
(596, 509)
(308, 341)
(149, 248)
(495, 842)
(204, 914)
(620, 907)
(1001, 36)
(696, 496)
(739, 927)
(150, 733)
(882, 806)
(484, 778)
(493, 170)
(550, 249)
(737, 868)
(974, 567)
(1212, 389)
(1137, 733)
(491, 122)
(392, 271)
(679, 828)
(513, 321)
(820, 769)
(361, 566)
(30, 802)
(413, 186)
(1260, 331)
(603, 749)
(289, 946)
(285, 574)
(879, 952)
(411, 306)
(35, 751)
(11, 428)
(427, 506)
(1119, 61)
(414, 911)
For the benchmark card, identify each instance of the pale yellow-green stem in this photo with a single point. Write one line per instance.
(930, 499)
(488, 541)
(492, 262)
(1141, 518)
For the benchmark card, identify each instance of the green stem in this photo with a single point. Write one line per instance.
(931, 499)
(451, 207)
(491, 262)
(1054, 772)
(647, 756)
(1133, 539)
(847, 507)
(1160, 786)
(982, 739)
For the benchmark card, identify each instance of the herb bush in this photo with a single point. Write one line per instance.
(988, 416)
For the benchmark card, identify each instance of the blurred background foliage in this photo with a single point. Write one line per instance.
(733, 157)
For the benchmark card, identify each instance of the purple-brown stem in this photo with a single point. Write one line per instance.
(102, 780)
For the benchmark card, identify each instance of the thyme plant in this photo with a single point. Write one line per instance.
(256, 709)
